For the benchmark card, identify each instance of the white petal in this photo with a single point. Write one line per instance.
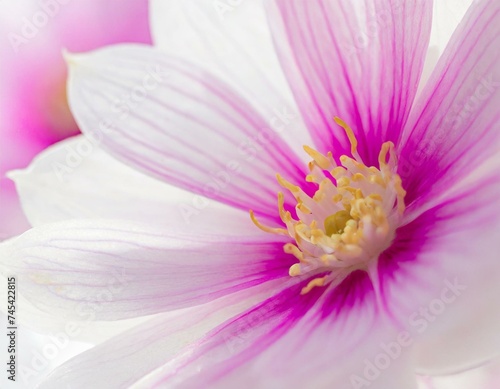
(454, 126)
(111, 270)
(295, 341)
(174, 121)
(457, 181)
(483, 377)
(149, 345)
(88, 331)
(232, 40)
(77, 179)
(445, 277)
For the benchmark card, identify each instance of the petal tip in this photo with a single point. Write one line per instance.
(71, 58)
(14, 175)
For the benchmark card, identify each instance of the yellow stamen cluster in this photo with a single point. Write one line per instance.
(349, 221)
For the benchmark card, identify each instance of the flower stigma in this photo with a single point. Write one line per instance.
(349, 221)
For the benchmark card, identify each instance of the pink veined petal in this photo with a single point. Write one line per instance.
(441, 277)
(151, 344)
(110, 270)
(446, 259)
(292, 340)
(234, 42)
(323, 369)
(455, 125)
(75, 179)
(176, 122)
(360, 61)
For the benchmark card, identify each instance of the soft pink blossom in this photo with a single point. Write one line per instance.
(33, 108)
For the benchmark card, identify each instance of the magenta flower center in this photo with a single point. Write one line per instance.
(349, 221)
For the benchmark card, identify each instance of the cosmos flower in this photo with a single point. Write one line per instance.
(33, 106)
(369, 254)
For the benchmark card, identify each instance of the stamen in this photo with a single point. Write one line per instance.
(312, 284)
(280, 231)
(401, 193)
(290, 248)
(348, 221)
(284, 214)
(382, 158)
(294, 270)
(350, 134)
(319, 158)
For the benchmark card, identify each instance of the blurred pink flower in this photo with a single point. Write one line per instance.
(33, 109)
(359, 282)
